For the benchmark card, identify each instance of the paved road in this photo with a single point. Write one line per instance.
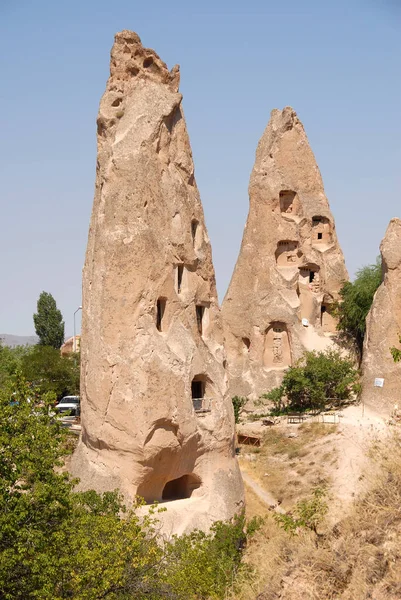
(265, 496)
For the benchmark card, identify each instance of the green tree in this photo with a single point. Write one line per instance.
(10, 360)
(56, 543)
(396, 353)
(238, 403)
(308, 513)
(48, 320)
(48, 371)
(317, 379)
(357, 298)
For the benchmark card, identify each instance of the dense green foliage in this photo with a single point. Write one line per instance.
(357, 298)
(56, 543)
(48, 320)
(238, 403)
(43, 367)
(318, 379)
(48, 371)
(396, 353)
(10, 361)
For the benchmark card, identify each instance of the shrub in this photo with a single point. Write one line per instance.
(238, 403)
(317, 379)
(56, 543)
(357, 298)
(396, 353)
(308, 513)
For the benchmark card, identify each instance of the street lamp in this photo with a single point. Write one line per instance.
(74, 344)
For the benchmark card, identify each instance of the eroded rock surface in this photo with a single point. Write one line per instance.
(156, 419)
(383, 328)
(290, 267)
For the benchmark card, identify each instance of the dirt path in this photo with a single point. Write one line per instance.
(359, 428)
(262, 494)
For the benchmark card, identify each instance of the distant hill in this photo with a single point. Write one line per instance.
(18, 340)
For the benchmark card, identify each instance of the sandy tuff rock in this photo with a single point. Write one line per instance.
(156, 419)
(383, 328)
(290, 267)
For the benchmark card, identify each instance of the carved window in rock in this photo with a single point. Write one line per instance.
(246, 344)
(321, 231)
(181, 278)
(180, 488)
(287, 253)
(309, 277)
(288, 202)
(202, 318)
(327, 320)
(198, 392)
(277, 351)
(198, 387)
(160, 311)
(200, 311)
(196, 234)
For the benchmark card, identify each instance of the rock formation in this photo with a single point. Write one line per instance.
(383, 328)
(290, 267)
(156, 419)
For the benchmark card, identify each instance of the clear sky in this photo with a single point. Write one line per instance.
(337, 63)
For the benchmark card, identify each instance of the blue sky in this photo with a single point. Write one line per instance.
(337, 63)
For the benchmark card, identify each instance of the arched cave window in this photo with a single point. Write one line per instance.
(160, 310)
(180, 488)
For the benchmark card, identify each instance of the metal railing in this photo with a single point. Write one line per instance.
(202, 405)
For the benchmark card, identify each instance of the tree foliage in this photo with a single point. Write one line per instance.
(10, 360)
(56, 543)
(396, 353)
(317, 379)
(48, 371)
(238, 403)
(48, 320)
(357, 298)
(308, 513)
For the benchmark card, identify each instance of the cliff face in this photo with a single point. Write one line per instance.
(383, 328)
(156, 419)
(290, 267)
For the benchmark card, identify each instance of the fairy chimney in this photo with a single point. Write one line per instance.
(290, 267)
(381, 380)
(156, 418)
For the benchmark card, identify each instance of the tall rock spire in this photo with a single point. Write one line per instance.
(383, 329)
(156, 420)
(290, 267)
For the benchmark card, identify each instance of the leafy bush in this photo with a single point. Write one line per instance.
(317, 379)
(48, 371)
(56, 543)
(238, 403)
(10, 360)
(357, 298)
(308, 513)
(396, 353)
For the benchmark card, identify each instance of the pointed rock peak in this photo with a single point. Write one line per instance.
(284, 157)
(156, 419)
(390, 247)
(381, 375)
(283, 120)
(290, 269)
(129, 59)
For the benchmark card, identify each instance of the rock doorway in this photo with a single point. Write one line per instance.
(277, 351)
(327, 321)
(289, 203)
(321, 231)
(287, 253)
(160, 311)
(178, 489)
